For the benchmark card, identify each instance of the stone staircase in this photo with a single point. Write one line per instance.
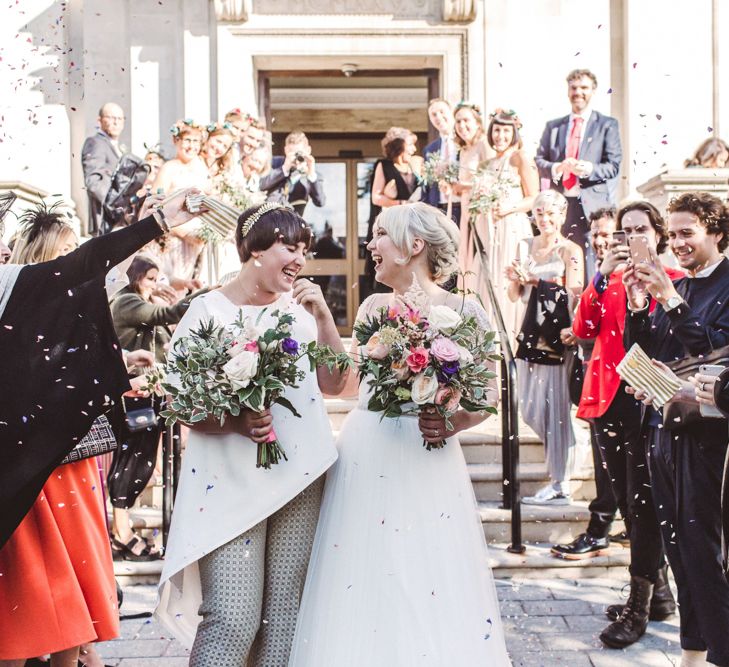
(541, 526)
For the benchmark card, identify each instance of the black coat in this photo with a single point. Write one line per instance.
(279, 188)
(62, 365)
(99, 160)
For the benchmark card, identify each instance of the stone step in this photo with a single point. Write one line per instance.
(548, 524)
(535, 563)
(486, 448)
(538, 563)
(487, 478)
(151, 496)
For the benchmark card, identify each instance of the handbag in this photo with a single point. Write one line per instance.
(99, 440)
(679, 414)
(140, 419)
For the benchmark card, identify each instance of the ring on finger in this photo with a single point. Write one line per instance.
(702, 386)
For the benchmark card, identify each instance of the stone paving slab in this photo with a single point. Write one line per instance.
(548, 623)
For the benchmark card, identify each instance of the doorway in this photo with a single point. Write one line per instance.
(345, 114)
(337, 258)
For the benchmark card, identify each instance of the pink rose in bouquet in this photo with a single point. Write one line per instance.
(375, 349)
(448, 398)
(418, 359)
(444, 349)
(400, 370)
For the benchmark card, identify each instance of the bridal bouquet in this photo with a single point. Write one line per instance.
(222, 370)
(430, 356)
(436, 170)
(488, 189)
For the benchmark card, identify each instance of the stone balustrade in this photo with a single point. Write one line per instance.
(660, 189)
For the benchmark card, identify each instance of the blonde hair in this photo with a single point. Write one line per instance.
(43, 246)
(549, 198)
(407, 222)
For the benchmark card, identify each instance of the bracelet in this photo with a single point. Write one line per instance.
(159, 217)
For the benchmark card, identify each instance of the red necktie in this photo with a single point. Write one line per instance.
(573, 150)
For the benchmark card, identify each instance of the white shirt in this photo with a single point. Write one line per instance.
(448, 153)
(705, 273)
(585, 115)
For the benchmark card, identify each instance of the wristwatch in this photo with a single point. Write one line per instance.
(673, 302)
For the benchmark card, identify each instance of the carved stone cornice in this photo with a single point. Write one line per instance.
(459, 11)
(232, 11)
(399, 9)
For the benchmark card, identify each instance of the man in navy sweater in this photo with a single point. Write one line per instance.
(686, 463)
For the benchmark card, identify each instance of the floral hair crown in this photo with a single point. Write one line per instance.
(217, 127)
(507, 114)
(255, 217)
(180, 125)
(468, 105)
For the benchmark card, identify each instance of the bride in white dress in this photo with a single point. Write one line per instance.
(398, 575)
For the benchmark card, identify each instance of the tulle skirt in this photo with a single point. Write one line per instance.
(399, 573)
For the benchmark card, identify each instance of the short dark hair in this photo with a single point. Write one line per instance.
(138, 270)
(654, 217)
(579, 73)
(605, 212)
(502, 117)
(280, 224)
(711, 212)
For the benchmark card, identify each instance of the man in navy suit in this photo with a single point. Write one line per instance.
(580, 155)
(293, 178)
(441, 116)
(99, 157)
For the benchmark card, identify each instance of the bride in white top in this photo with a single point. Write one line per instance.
(399, 573)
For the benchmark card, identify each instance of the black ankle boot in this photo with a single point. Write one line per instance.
(663, 605)
(631, 625)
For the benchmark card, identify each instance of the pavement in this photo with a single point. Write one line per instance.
(548, 623)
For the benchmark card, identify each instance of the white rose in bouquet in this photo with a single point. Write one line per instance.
(241, 368)
(443, 318)
(424, 388)
(464, 355)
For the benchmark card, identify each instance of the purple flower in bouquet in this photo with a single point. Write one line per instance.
(447, 370)
(290, 346)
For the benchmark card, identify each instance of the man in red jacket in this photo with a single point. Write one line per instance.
(616, 418)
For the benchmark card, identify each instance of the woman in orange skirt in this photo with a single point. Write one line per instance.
(57, 588)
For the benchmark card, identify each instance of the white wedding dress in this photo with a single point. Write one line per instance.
(399, 575)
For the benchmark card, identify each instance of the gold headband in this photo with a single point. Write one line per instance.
(270, 206)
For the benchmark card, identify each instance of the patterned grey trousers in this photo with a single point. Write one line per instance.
(252, 586)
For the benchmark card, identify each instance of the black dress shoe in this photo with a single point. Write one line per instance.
(583, 546)
(622, 538)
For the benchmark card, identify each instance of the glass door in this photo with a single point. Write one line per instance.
(336, 262)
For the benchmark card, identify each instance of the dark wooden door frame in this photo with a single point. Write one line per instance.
(264, 85)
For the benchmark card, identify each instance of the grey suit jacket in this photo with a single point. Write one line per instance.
(99, 159)
(600, 146)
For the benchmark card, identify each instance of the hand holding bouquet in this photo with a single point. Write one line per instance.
(222, 371)
(437, 171)
(425, 357)
(489, 188)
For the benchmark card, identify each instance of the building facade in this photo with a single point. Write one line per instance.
(346, 70)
